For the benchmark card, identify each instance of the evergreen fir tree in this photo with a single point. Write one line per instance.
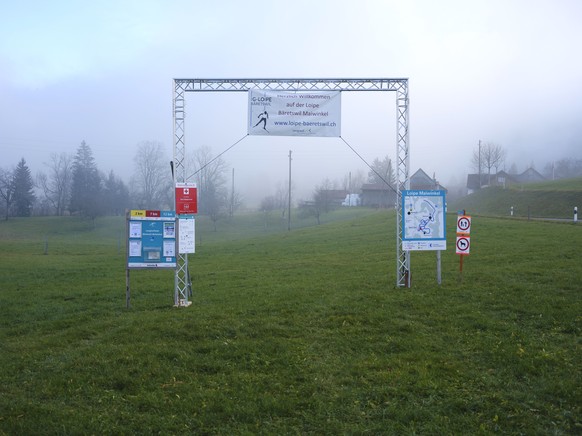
(115, 195)
(86, 186)
(23, 190)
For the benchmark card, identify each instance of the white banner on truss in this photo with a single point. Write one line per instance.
(290, 113)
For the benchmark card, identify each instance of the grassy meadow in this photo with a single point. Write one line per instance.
(299, 332)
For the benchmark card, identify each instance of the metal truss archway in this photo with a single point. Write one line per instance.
(400, 86)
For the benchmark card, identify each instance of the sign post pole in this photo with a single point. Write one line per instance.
(439, 275)
(127, 292)
(463, 245)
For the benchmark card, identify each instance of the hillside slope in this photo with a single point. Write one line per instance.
(554, 199)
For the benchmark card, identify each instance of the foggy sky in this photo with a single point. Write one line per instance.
(503, 71)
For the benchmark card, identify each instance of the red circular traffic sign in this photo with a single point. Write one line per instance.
(463, 244)
(464, 224)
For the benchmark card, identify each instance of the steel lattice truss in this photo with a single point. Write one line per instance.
(192, 85)
(400, 86)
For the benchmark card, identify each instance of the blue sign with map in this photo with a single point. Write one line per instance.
(423, 220)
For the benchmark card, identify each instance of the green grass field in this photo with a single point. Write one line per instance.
(299, 332)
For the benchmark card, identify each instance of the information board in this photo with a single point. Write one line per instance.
(423, 220)
(151, 239)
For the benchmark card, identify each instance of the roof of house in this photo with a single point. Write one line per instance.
(528, 176)
(421, 180)
(421, 177)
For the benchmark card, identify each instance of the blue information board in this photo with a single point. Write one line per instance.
(151, 239)
(423, 220)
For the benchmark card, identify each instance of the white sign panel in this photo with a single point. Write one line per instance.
(289, 113)
(186, 236)
(135, 229)
(135, 248)
(169, 248)
(424, 245)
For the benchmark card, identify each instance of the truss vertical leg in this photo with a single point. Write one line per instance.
(181, 282)
(181, 278)
(402, 181)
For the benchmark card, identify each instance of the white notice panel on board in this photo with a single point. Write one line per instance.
(186, 235)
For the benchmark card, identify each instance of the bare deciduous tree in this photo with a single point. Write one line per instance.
(322, 201)
(209, 174)
(488, 156)
(322, 196)
(56, 185)
(151, 182)
(7, 189)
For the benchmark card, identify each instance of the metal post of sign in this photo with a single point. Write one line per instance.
(400, 86)
(438, 260)
(127, 290)
(438, 252)
(461, 267)
(463, 239)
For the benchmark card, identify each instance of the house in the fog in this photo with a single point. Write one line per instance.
(502, 179)
(384, 196)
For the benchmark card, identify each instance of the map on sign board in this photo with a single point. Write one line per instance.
(423, 220)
